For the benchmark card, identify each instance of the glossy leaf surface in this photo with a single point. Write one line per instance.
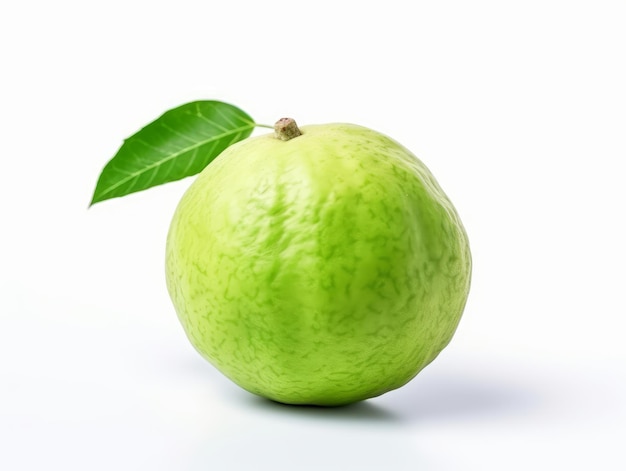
(180, 143)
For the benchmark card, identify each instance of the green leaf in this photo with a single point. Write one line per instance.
(181, 143)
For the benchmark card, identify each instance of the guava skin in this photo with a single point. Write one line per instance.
(323, 270)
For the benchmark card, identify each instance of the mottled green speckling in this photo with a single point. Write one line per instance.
(323, 270)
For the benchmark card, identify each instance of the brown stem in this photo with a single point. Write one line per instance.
(286, 128)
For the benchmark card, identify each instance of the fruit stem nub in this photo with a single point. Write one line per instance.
(286, 128)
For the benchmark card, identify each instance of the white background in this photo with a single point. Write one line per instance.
(518, 108)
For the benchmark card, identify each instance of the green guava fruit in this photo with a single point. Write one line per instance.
(323, 269)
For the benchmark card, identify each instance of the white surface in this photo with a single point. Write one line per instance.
(517, 107)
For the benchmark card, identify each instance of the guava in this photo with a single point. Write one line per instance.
(320, 268)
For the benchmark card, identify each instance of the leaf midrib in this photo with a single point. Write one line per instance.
(173, 156)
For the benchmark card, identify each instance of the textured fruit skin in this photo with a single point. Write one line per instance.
(322, 270)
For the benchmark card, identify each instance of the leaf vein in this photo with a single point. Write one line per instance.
(213, 140)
